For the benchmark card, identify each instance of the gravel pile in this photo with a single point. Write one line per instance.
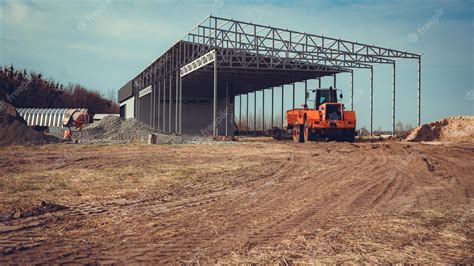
(114, 129)
(181, 139)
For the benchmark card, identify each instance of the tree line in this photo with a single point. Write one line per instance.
(31, 90)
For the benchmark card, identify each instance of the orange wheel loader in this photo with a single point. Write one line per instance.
(327, 121)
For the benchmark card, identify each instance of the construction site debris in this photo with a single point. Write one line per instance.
(456, 128)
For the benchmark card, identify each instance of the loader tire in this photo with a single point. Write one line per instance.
(298, 134)
(349, 135)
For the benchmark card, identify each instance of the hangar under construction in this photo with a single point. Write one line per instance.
(192, 87)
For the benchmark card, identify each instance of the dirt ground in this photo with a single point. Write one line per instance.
(238, 203)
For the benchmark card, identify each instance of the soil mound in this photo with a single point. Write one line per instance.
(14, 131)
(456, 128)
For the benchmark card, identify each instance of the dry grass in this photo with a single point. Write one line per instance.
(73, 174)
(425, 236)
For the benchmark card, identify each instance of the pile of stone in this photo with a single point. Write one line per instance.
(113, 129)
(160, 138)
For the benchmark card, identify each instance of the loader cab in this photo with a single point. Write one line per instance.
(325, 96)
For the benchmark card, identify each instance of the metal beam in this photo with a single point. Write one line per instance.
(180, 104)
(393, 100)
(371, 100)
(352, 91)
(293, 95)
(152, 124)
(164, 104)
(214, 116)
(273, 98)
(240, 113)
(305, 92)
(198, 63)
(282, 104)
(419, 93)
(263, 111)
(176, 103)
(247, 118)
(255, 112)
(169, 104)
(334, 81)
(226, 107)
(158, 104)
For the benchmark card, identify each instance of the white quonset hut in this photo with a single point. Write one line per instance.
(50, 117)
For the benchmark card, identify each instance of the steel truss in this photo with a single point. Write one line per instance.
(233, 45)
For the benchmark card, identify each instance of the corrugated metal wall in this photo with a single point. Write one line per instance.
(44, 117)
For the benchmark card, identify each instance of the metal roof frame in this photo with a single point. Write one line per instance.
(240, 45)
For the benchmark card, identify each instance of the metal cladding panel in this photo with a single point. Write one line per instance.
(125, 92)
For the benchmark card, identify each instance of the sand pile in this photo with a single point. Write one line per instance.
(456, 128)
(14, 131)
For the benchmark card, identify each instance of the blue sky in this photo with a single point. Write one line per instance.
(103, 44)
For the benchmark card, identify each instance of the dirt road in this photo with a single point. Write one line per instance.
(238, 203)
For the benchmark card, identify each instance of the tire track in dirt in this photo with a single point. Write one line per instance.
(239, 210)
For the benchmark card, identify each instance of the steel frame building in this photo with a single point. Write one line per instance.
(234, 58)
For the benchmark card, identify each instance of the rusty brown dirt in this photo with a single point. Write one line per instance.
(385, 202)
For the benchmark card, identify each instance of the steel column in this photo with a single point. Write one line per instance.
(305, 92)
(282, 104)
(319, 82)
(226, 106)
(393, 100)
(371, 100)
(247, 118)
(151, 108)
(180, 104)
(214, 117)
(164, 104)
(419, 92)
(138, 105)
(263, 111)
(334, 81)
(273, 93)
(255, 112)
(293, 95)
(169, 106)
(240, 113)
(176, 104)
(352, 90)
(159, 105)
